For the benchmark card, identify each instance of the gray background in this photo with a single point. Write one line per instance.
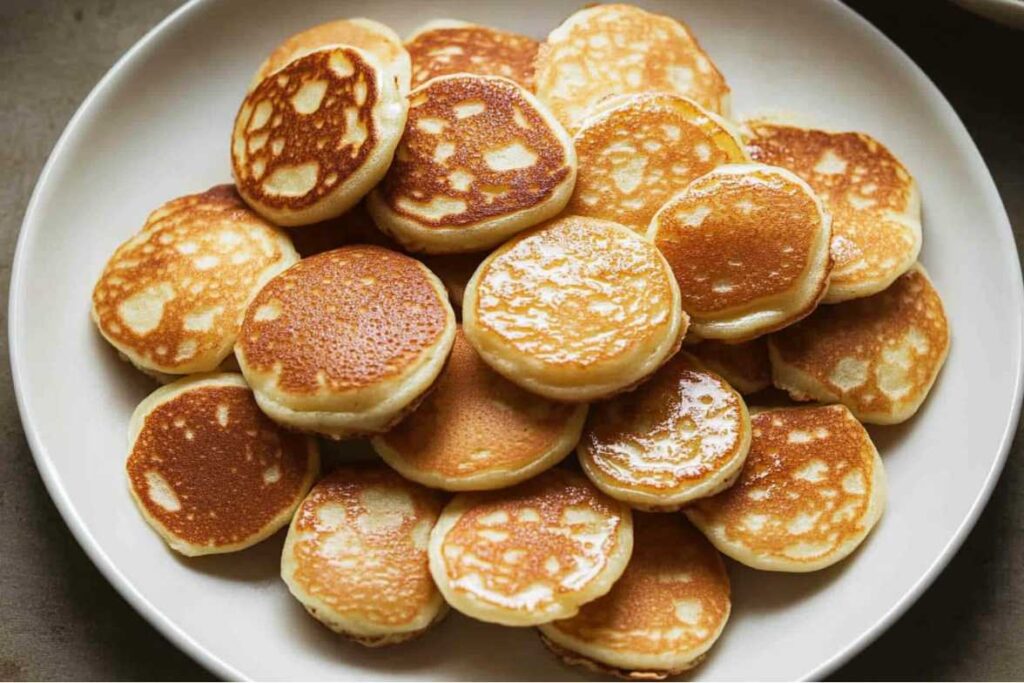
(60, 619)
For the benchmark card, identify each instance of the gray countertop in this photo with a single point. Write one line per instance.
(59, 619)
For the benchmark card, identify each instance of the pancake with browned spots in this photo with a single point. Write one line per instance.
(481, 159)
(209, 471)
(745, 365)
(811, 490)
(477, 431)
(661, 617)
(749, 245)
(620, 50)
(447, 46)
(874, 201)
(577, 309)
(681, 435)
(352, 227)
(346, 342)
(316, 135)
(635, 152)
(879, 355)
(455, 271)
(531, 553)
(171, 298)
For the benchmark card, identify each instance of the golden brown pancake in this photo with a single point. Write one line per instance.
(619, 50)
(745, 365)
(171, 299)
(315, 136)
(455, 271)
(356, 555)
(445, 46)
(577, 309)
(874, 201)
(352, 227)
(636, 152)
(749, 245)
(661, 617)
(681, 435)
(812, 488)
(532, 553)
(481, 159)
(344, 343)
(476, 430)
(879, 355)
(209, 471)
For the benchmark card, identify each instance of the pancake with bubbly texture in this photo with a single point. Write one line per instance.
(879, 355)
(366, 34)
(682, 435)
(316, 135)
(635, 152)
(356, 555)
(874, 201)
(447, 46)
(575, 310)
(476, 430)
(481, 159)
(346, 342)
(209, 471)
(811, 490)
(455, 271)
(171, 298)
(352, 227)
(661, 617)
(620, 50)
(749, 245)
(532, 553)
(745, 366)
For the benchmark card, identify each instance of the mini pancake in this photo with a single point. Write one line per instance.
(481, 159)
(879, 355)
(356, 555)
(874, 201)
(476, 430)
(532, 553)
(620, 50)
(209, 471)
(352, 227)
(811, 490)
(635, 153)
(447, 46)
(315, 136)
(749, 245)
(365, 34)
(171, 298)
(345, 343)
(455, 271)
(575, 310)
(681, 435)
(661, 617)
(745, 365)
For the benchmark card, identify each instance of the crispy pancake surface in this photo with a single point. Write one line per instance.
(316, 135)
(476, 430)
(481, 159)
(344, 342)
(874, 201)
(209, 471)
(749, 245)
(636, 152)
(356, 555)
(620, 49)
(577, 309)
(812, 488)
(682, 435)
(532, 553)
(878, 355)
(661, 617)
(171, 298)
(445, 46)
(745, 366)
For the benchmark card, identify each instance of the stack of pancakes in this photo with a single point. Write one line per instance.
(550, 281)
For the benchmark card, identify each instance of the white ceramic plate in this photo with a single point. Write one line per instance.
(157, 126)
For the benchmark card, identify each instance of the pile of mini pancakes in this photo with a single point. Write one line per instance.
(540, 277)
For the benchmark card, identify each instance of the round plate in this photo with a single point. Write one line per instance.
(157, 126)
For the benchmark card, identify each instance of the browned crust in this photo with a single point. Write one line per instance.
(484, 51)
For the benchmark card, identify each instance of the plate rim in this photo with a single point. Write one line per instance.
(206, 658)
